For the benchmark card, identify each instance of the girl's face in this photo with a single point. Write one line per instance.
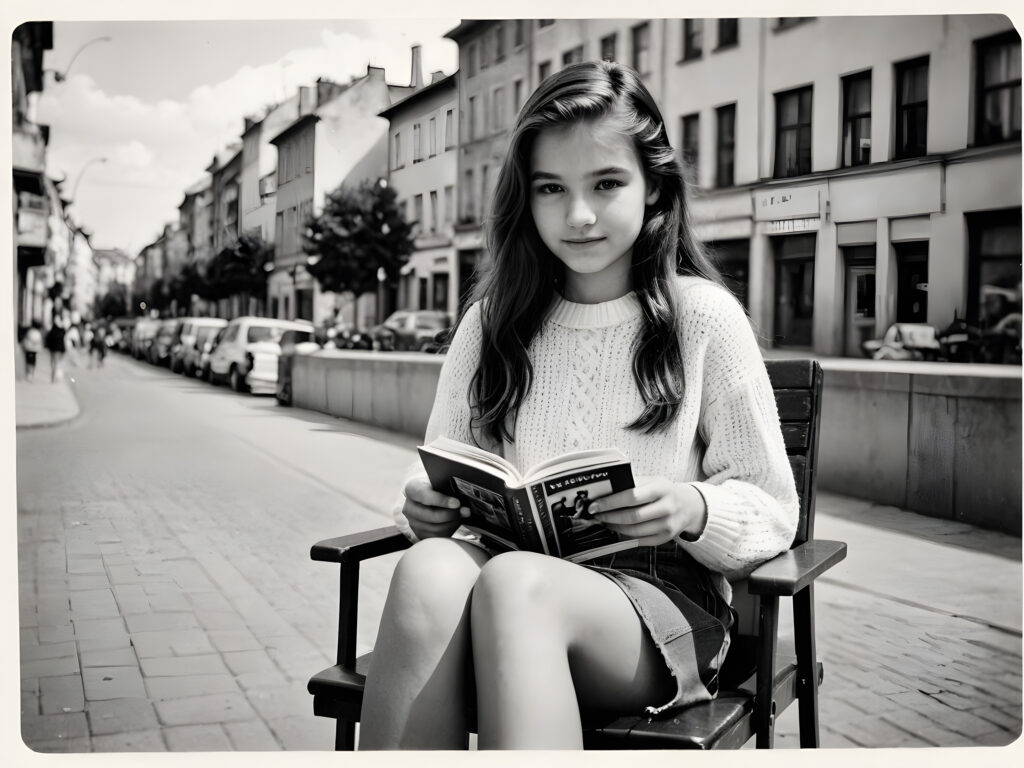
(587, 195)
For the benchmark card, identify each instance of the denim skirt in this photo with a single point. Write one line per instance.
(687, 618)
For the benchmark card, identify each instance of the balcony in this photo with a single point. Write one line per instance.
(29, 149)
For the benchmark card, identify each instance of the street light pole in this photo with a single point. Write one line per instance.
(60, 77)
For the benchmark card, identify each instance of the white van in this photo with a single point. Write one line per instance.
(243, 355)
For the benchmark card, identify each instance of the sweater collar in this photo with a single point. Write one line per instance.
(572, 315)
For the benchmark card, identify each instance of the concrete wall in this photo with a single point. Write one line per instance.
(937, 438)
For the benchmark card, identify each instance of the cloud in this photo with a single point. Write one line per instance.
(157, 149)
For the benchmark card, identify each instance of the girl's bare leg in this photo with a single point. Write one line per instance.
(414, 697)
(548, 635)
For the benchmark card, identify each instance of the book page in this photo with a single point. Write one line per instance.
(569, 462)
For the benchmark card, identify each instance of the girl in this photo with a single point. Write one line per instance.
(600, 323)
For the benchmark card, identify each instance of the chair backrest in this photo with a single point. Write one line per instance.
(797, 385)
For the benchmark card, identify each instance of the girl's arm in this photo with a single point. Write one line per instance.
(450, 414)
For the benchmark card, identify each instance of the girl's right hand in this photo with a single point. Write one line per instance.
(431, 514)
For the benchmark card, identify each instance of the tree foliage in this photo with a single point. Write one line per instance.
(359, 231)
(238, 269)
(114, 303)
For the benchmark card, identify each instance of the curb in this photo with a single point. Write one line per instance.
(58, 422)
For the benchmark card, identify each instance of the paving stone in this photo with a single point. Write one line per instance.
(93, 604)
(66, 665)
(210, 601)
(135, 741)
(103, 683)
(162, 622)
(220, 620)
(97, 628)
(48, 651)
(52, 727)
(189, 685)
(29, 704)
(56, 634)
(121, 716)
(175, 601)
(86, 581)
(109, 657)
(112, 641)
(241, 662)
(75, 745)
(85, 565)
(184, 642)
(251, 736)
(197, 738)
(1010, 722)
(30, 684)
(209, 664)
(61, 694)
(304, 733)
(234, 640)
(202, 710)
(281, 702)
(255, 680)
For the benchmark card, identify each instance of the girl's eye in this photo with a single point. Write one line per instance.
(606, 184)
(548, 189)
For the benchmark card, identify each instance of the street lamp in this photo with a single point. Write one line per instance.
(81, 173)
(60, 77)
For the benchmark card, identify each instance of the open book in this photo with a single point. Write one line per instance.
(544, 510)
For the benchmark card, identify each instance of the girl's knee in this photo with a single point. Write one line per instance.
(439, 565)
(512, 584)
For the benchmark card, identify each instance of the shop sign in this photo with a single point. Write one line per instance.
(792, 203)
(790, 226)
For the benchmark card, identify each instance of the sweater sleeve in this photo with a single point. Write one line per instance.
(749, 491)
(450, 414)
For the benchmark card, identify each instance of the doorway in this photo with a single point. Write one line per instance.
(859, 312)
(912, 282)
(794, 290)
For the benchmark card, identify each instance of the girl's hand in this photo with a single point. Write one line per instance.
(655, 511)
(431, 514)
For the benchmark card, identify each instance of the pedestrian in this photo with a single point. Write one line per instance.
(73, 343)
(56, 345)
(98, 346)
(32, 345)
(600, 322)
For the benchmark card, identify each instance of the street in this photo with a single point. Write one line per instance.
(168, 601)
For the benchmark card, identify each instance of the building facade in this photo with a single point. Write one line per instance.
(258, 176)
(872, 179)
(422, 148)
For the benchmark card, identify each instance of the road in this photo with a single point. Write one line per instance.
(168, 601)
(167, 596)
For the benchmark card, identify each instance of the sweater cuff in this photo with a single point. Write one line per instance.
(724, 524)
(415, 470)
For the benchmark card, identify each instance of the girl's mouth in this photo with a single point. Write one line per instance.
(583, 242)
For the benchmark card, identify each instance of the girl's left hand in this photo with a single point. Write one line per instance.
(655, 511)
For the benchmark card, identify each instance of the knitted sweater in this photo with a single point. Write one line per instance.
(726, 439)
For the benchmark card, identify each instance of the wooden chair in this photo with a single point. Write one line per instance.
(755, 685)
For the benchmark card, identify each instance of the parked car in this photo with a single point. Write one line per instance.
(126, 327)
(410, 329)
(143, 335)
(165, 339)
(194, 332)
(246, 355)
(205, 351)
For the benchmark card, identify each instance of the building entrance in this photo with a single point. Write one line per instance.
(859, 312)
(794, 289)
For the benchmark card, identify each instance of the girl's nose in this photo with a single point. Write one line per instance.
(580, 214)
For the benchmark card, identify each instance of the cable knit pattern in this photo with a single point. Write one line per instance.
(726, 439)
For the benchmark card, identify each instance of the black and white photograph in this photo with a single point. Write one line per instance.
(260, 256)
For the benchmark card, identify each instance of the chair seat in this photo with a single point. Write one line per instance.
(723, 722)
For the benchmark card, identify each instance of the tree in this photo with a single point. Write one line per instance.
(238, 269)
(359, 231)
(114, 303)
(186, 283)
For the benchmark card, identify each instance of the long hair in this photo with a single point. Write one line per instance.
(519, 287)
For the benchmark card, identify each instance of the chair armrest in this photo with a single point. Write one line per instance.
(357, 547)
(791, 571)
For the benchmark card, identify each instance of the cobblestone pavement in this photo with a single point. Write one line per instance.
(167, 601)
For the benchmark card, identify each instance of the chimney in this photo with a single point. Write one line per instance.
(307, 100)
(416, 77)
(437, 75)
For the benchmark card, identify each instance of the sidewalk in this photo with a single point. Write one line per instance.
(42, 403)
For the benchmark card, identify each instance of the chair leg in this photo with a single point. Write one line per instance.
(764, 703)
(807, 665)
(344, 735)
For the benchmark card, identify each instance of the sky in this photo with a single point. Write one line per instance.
(159, 99)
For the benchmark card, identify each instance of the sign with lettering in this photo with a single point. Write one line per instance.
(782, 203)
(789, 226)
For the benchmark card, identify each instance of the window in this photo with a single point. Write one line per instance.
(572, 56)
(517, 92)
(433, 210)
(690, 144)
(397, 162)
(484, 197)
(432, 133)
(728, 32)
(471, 119)
(449, 203)
(642, 48)
(485, 54)
(417, 143)
(912, 108)
(998, 89)
(449, 129)
(499, 42)
(471, 59)
(543, 70)
(857, 119)
(279, 232)
(787, 22)
(498, 109)
(518, 32)
(793, 133)
(725, 146)
(693, 38)
(417, 203)
(468, 196)
(545, 22)
(994, 259)
(608, 47)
